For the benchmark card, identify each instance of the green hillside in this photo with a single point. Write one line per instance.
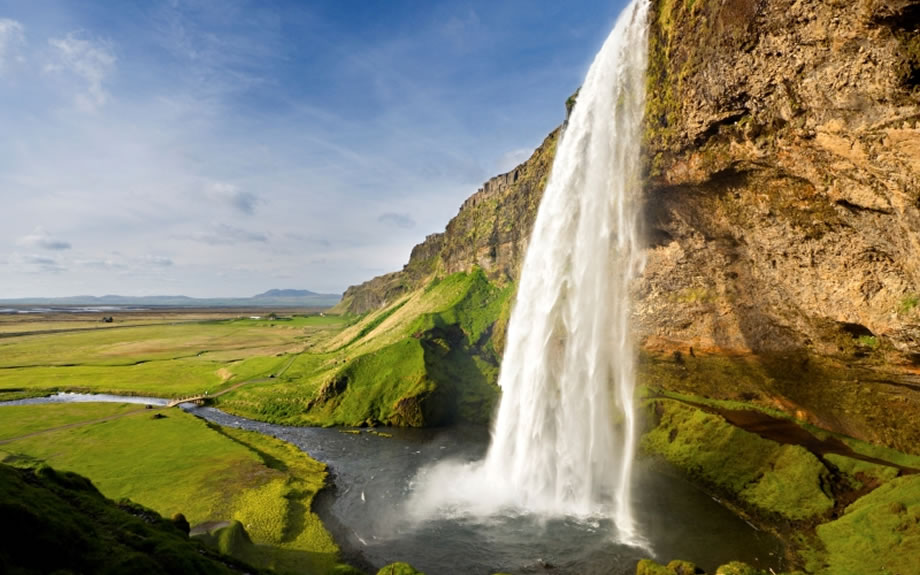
(428, 358)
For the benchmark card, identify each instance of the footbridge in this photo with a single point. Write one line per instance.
(196, 399)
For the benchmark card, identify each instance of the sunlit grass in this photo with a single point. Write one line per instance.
(19, 420)
(180, 463)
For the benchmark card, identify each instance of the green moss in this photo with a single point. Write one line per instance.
(231, 540)
(428, 359)
(399, 569)
(858, 472)
(57, 522)
(869, 341)
(676, 567)
(649, 567)
(804, 385)
(766, 477)
(181, 464)
(570, 102)
(909, 303)
(879, 533)
(793, 485)
(876, 451)
(738, 568)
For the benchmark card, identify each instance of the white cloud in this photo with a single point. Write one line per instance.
(461, 30)
(12, 38)
(221, 234)
(90, 59)
(39, 238)
(244, 202)
(108, 263)
(31, 263)
(513, 159)
(158, 261)
(404, 221)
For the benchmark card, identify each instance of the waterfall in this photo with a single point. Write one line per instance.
(564, 437)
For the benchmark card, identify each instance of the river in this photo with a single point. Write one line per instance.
(373, 475)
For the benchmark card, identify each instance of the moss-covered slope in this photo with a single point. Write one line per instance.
(58, 522)
(843, 507)
(427, 359)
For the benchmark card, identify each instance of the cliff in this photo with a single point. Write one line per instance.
(782, 212)
(489, 232)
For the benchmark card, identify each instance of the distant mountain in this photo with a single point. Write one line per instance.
(270, 298)
(286, 293)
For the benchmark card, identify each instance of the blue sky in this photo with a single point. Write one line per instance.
(222, 148)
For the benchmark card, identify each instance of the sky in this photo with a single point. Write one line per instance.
(218, 148)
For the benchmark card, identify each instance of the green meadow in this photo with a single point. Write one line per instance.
(173, 462)
(177, 358)
(428, 358)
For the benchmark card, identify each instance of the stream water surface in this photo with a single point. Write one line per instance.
(373, 478)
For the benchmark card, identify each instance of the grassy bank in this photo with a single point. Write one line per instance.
(57, 522)
(174, 463)
(840, 515)
(428, 358)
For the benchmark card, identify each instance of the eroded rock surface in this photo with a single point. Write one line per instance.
(784, 205)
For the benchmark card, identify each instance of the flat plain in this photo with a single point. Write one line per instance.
(165, 354)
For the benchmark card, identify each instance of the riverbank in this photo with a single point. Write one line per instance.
(174, 462)
(842, 506)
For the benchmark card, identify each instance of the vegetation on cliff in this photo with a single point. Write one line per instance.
(840, 514)
(490, 233)
(55, 522)
(426, 359)
(763, 475)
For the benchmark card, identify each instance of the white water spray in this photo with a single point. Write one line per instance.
(564, 438)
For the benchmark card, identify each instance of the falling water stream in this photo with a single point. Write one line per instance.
(551, 492)
(564, 437)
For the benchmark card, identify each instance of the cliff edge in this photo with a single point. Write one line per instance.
(782, 212)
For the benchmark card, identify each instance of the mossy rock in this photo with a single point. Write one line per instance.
(399, 569)
(58, 522)
(441, 366)
(879, 533)
(739, 568)
(675, 567)
(858, 472)
(768, 478)
(230, 539)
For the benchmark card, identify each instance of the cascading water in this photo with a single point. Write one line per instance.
(563, 441)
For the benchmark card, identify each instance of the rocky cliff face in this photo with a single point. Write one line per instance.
(783, 211)
(785, 190)
(490, 232)
(784, 206)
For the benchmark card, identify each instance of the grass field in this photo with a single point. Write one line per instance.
(423, 360)
(185, 356)
(182, 464)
